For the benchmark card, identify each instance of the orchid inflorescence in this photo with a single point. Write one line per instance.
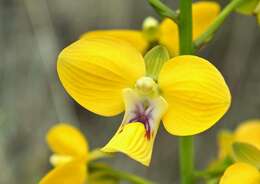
(141, 73)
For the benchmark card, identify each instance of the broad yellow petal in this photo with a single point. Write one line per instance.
(95, 70)
(241, 173)
(135, 137)
(134, 37)
(74, 172)
(64, 139)
(203, 13)
(249, 132)
(197, 94)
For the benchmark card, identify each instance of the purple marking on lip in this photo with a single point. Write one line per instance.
(143, 115)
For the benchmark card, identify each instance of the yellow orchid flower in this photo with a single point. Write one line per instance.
(241, 173)
(70, 156)
(248, 132)
(108, 76)
(204, 12)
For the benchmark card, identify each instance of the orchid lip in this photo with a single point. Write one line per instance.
(143, 109)
(143, 115)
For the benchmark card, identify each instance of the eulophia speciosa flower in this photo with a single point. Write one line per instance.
(108, 76)
(204, 13)
(70, 156)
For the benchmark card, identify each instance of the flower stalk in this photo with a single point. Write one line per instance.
(119, 174)
(186, 47)
(205, 37)
(164, 10)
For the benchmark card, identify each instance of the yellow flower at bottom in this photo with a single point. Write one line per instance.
(108, 76)
(247, 132)
(204, 13)
(241, 173)
(70, 156)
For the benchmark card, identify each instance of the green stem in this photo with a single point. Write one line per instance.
(185, 27)
(186, 159)
(217, 22)
(119, 174)
(164, 10)
(186, 47)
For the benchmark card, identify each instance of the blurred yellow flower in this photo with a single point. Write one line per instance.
(225, 140)
(241, 173)
(70, 156)
(204, 12)
(248, 132)
(108, 76)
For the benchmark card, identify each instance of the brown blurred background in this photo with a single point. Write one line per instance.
(32, 32)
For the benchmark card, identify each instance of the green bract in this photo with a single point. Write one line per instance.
(248, 7)
(154, 60)
(247, 153)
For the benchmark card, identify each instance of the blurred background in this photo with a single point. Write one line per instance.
(32, 33)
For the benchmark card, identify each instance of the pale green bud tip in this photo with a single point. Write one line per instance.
(151, 29)
(150, 22)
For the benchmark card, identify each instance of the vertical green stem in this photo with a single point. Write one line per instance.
(185, 27)
(186, 159)
(186, 47)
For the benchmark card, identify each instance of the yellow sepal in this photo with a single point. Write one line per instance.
(196, 92)
(203, 14)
